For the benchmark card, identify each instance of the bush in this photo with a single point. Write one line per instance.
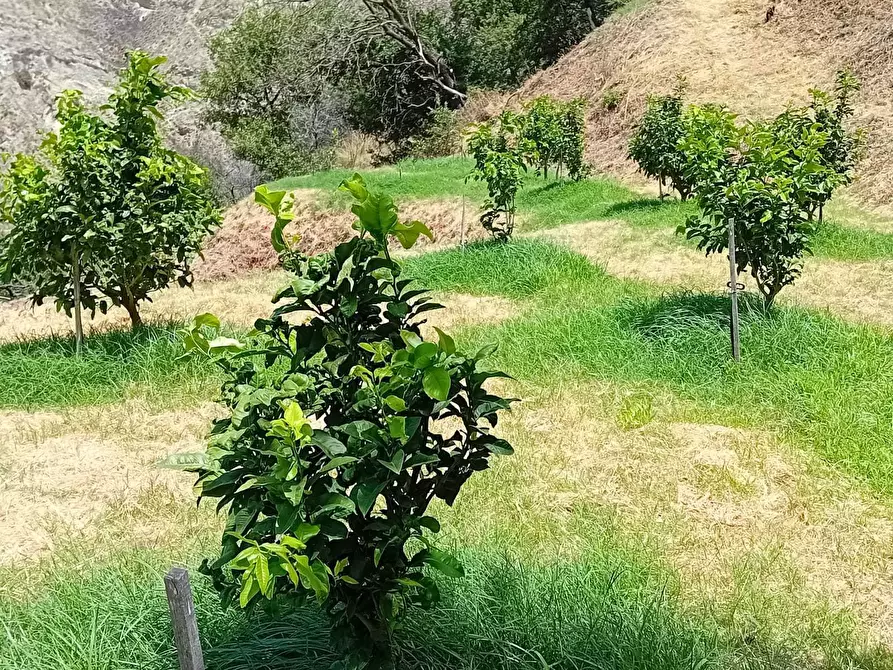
(768, 179)
(104, 214)
(498, 149)
(761, 179)
(655, 145)
(555, 135)
(269, 88)
(497, 45)
(341, 431)
(442, 137)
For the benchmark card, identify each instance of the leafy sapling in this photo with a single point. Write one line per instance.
(104, 214)
(343, 425)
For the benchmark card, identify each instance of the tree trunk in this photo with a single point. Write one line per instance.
(128, 303)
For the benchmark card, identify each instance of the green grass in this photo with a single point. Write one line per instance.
(825, 383)
(548, 204)
(516, 270)
(613, 608)
(114, 365)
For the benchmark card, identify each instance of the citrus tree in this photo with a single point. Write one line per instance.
(554, 133)
(655, 145)
(103, 214)
(342, 428)
(499, 149)
(759, 178)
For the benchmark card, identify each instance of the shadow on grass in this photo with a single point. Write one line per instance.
(675, 313)
(506, 614)
(607, 612)
(47, 372)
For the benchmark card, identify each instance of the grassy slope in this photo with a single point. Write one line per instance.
(547, 205)
(826, 384)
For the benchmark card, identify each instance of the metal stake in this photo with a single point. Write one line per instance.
(733, 289)
(76, 279)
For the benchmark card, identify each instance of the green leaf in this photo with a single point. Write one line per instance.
(445, 342)
(337, 462)
(430, 523)
(395, 465)
(365, 494)
(329, 445)
(334, 502)
(397, 426)
(206, 320)
(443, 562)
(395, 403)
(436, 383)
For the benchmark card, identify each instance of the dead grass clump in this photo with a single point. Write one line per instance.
(242, 244)
(92, 474)
(745, 518)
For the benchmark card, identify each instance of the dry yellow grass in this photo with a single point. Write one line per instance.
(729, 53)
(738, 513)
(653, 255)
(92, 474)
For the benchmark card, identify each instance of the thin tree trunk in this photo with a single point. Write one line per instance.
(76, 280)
(136, 321)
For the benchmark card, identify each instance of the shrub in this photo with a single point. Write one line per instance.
(842, 147)
(498, 149)
(268, 87)
(655, 145)
(342, 429)
(498, 44)
(554, 134)
(104, 214)
(442, 137)
(761, 179)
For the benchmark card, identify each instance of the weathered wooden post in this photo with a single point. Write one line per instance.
(733, 289)
(182, 608)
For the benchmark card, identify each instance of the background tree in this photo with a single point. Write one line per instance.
(655, 144)
(338, 511)
(270, 86)
(382, 67)
(104, 214)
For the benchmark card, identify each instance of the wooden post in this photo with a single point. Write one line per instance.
(182, 608)
(733, 289)
(76, 279)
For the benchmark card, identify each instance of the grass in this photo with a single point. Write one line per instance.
(826, 383)
(614, 608)
(543, 204)
(114, 365)
(560, 574)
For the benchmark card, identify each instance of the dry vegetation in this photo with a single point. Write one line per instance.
(730, 53)
(657, 256)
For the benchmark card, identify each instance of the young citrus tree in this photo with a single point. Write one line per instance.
(832, 114)
(655, 144)
(760, 178)
(342, 428)
(555, 135)
(499, 149)
(104, 214)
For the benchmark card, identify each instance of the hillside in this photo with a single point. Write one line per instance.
(47, 47)
(753, 55)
